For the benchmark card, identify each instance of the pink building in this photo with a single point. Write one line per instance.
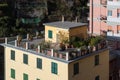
(104, 18)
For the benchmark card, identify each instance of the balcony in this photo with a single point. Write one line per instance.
(113, 4)
(110, 33)
(104, 3)
(113, 21)
(103, 18)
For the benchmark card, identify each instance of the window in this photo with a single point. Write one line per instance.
(25, 76)
(118, 15)
(50, 35)
(96, 60)
(54, 68)
(39, 63)
(97, 78)
(13, 73)
(12, 55)
(25, 58)
(109, 12)
(37, 79)
(76, 68)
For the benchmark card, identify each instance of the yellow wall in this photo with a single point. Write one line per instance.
(55, 32)
(87, 69)
(30, 69)
(79, 31)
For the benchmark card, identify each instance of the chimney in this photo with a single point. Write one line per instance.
(37, 33)
(38, 48)
(27, 36)
(15, 43)
(51, 52)
(17, 37)
(67, 56)
(6, 40)
(27, 45)
(76, 19)
(62, 18)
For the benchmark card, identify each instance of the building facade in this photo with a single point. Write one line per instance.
(28, 60)
(104, 17)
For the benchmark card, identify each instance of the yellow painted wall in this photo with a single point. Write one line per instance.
(87, 69)
(79, 31)
(30, 69)
(55, 32)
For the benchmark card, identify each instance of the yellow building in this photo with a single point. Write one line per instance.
(54, 31)
(27, 62)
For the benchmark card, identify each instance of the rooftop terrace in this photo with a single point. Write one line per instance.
(39, 47)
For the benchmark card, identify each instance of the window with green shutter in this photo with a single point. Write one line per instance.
(25, 58)
(25, 76)
(54, 68)
(97, 78)
(76, 68)
(39, 63)
(96, 60)
(50, 34)
(37, 79)
(12, 55)
(13, 73)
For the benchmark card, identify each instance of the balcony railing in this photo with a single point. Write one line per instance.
(103, 18)
(113, 4)
(33, 46)
(104, 3)
(110, 33)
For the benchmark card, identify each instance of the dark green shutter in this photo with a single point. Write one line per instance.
(50, 34)
(97, 78)
(76, 68)
(25, 58)
(25, 76)
(37, 79)
(39, 63)
(97, 60)
(54, 68)
(13, 73)
(12, 55)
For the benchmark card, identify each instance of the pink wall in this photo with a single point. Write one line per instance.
(97, 12)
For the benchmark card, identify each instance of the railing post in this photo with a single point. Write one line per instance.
(27, 45)
(17, 37)
(67, 56)
(15, 43)
(27, 36)
(6, 40)
(38, 48)
(52, 53)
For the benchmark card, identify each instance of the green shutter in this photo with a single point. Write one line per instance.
(50, 34)
(54, 68)
(25, 58)
(12, 55)
(96, 60)
(25, 76)
(13, 73)
(37, 79)
(76, 68)
(97, 78)
(39, 63)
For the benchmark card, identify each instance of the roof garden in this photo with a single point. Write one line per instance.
(67, 51)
